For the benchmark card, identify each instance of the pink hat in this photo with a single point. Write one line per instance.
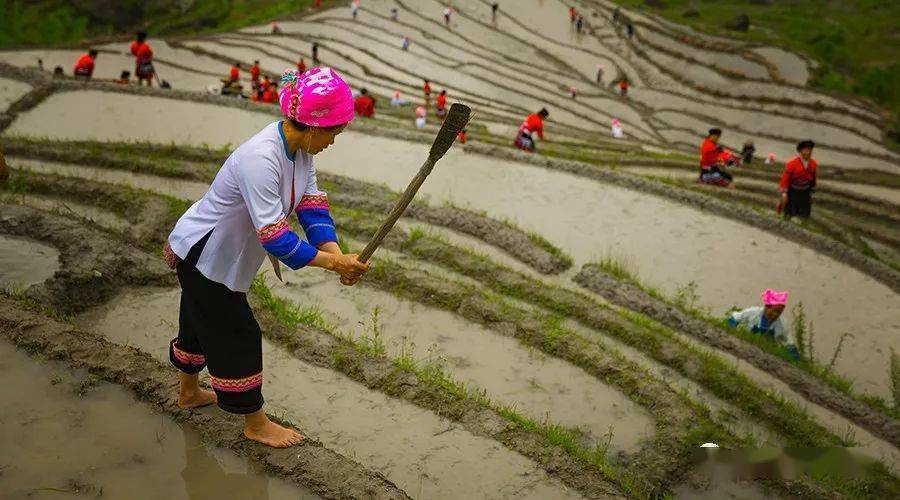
(772, 298)
(616, 122)
(318, 98)
(420, 111)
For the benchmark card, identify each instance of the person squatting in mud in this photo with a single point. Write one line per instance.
(713, 160)
(766, 320)
(218, 245)
(534, 124)
(798, 183)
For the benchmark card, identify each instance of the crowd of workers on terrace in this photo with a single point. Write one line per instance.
(796, 187)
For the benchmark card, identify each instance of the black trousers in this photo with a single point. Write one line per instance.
(217, 330)
(799, 203)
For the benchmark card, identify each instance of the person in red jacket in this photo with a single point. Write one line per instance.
(623, 87)
(84, 68)
(441, 105)
(427, 90)
(301, 66)
(534, 124)
(270, 95)
(364, 105)
(235, 73)
(712, 161)
(254, 75)
(798, 183)
(143, 55)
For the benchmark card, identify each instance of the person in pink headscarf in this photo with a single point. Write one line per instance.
(219, 244)
(766, 320)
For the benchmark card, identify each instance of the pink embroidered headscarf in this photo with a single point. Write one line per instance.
(318, 98)
(772, 298)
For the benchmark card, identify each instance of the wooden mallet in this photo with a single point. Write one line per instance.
(456, 120)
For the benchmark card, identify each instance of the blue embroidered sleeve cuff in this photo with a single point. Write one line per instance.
(290, 249)
(316, 220)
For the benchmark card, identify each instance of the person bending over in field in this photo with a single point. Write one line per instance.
(766, 320)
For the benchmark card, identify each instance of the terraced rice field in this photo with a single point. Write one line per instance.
(538, 325)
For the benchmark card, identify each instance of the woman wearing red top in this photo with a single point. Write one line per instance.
(143, 69)
(427, 89)
(364, 105)
(442, 104)
(270, 94)
(623, 87)
(712, 161)
(84, 68)
(254, 75)
(301, 66)
(798, 183)
(533, 124)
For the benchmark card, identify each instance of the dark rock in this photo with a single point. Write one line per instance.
(739, 23)
(691, 13)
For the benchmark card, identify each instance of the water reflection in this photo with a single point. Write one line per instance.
(205, 478)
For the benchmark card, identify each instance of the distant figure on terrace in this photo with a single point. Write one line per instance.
(315, 53)
(354, 8)
(143, 56)
(441, 105)
(747, 152)
(623, 87)
(494, 7)
(124, 78)
(770, 159)
(301, 66)
(600, 74)
(275, 28)
(630, 29)
(579, 23)
(270, 94)
(573, 15)
(712, 170)
(231, 84)
(420, 117)
(395, 13)
(534, 124)
(573, 92)
(84, 68)
(447, 12)
(58, 72)
(254, 75)
(398, 99)
(615, 16)
(462, 136)
(404, 44)
(427, 90)
(798, 183)
(364, 105)
(766, 320)
(616, 129)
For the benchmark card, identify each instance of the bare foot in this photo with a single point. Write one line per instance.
(259, 428)
(196, 399)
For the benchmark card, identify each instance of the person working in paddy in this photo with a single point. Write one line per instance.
(219, 244)
(364, 105)
(84, 68)
(766, 320)
(534, 124)
(712, 171)
(143, 55)
(798, 183)
(254, 75)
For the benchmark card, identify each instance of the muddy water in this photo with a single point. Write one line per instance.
(101, 217)
(791, 66)
(535, 384)
(722, 60)
(179, 188)
(11, 91)
(25, 262)
(591, 219)
(424, 455)
(112, 445)
(61, 116)
(162, 50)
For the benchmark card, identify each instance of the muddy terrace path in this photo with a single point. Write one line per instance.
(587, 219)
